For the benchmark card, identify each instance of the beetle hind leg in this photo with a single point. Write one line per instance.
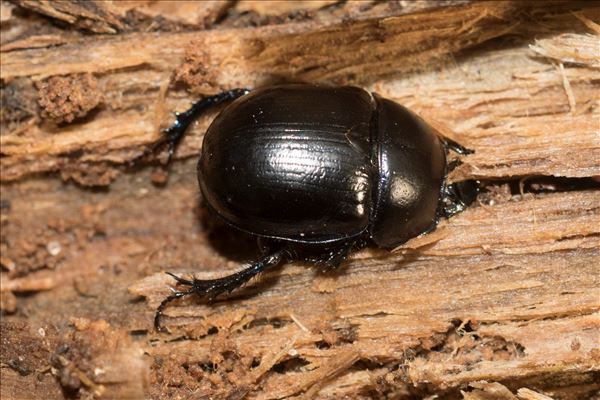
(211, 288)
(173, 134)
(214, 287)
(159, 310)
(180, 280)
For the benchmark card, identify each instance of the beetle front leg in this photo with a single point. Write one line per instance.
(458, 196)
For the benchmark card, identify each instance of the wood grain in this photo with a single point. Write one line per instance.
(501, 301)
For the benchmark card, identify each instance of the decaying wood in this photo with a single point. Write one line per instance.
(132, 69)
(91, 15)
(501, 301)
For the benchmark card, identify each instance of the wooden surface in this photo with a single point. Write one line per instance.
(499, 302)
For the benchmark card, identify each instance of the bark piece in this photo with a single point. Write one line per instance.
(95, 16)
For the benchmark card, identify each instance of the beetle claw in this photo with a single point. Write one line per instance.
(159, 310)
(180, 280)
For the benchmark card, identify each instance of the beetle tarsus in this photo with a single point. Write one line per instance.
(180, 280)
(211, 288)
(173, 134)
(163, 304)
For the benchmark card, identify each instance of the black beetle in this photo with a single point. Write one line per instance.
(320, 168)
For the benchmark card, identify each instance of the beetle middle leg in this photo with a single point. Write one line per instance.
(455, 147)
(451, 145)
(211, 288)
(457, 196)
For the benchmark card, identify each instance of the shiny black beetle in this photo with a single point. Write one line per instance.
(317, 171)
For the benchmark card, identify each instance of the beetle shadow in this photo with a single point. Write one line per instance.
(236, 246)
(229, 242)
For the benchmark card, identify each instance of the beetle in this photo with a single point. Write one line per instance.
(316, 171)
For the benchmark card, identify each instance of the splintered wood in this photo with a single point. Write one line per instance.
(132, 68)
(500, 302)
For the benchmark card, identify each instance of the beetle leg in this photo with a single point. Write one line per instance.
(180, 280)
(214, 287)
(458, 196)
(211, 288)
(452, 165)
(172, 135)
(455, 147)
(332, 259)
(163, 304)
